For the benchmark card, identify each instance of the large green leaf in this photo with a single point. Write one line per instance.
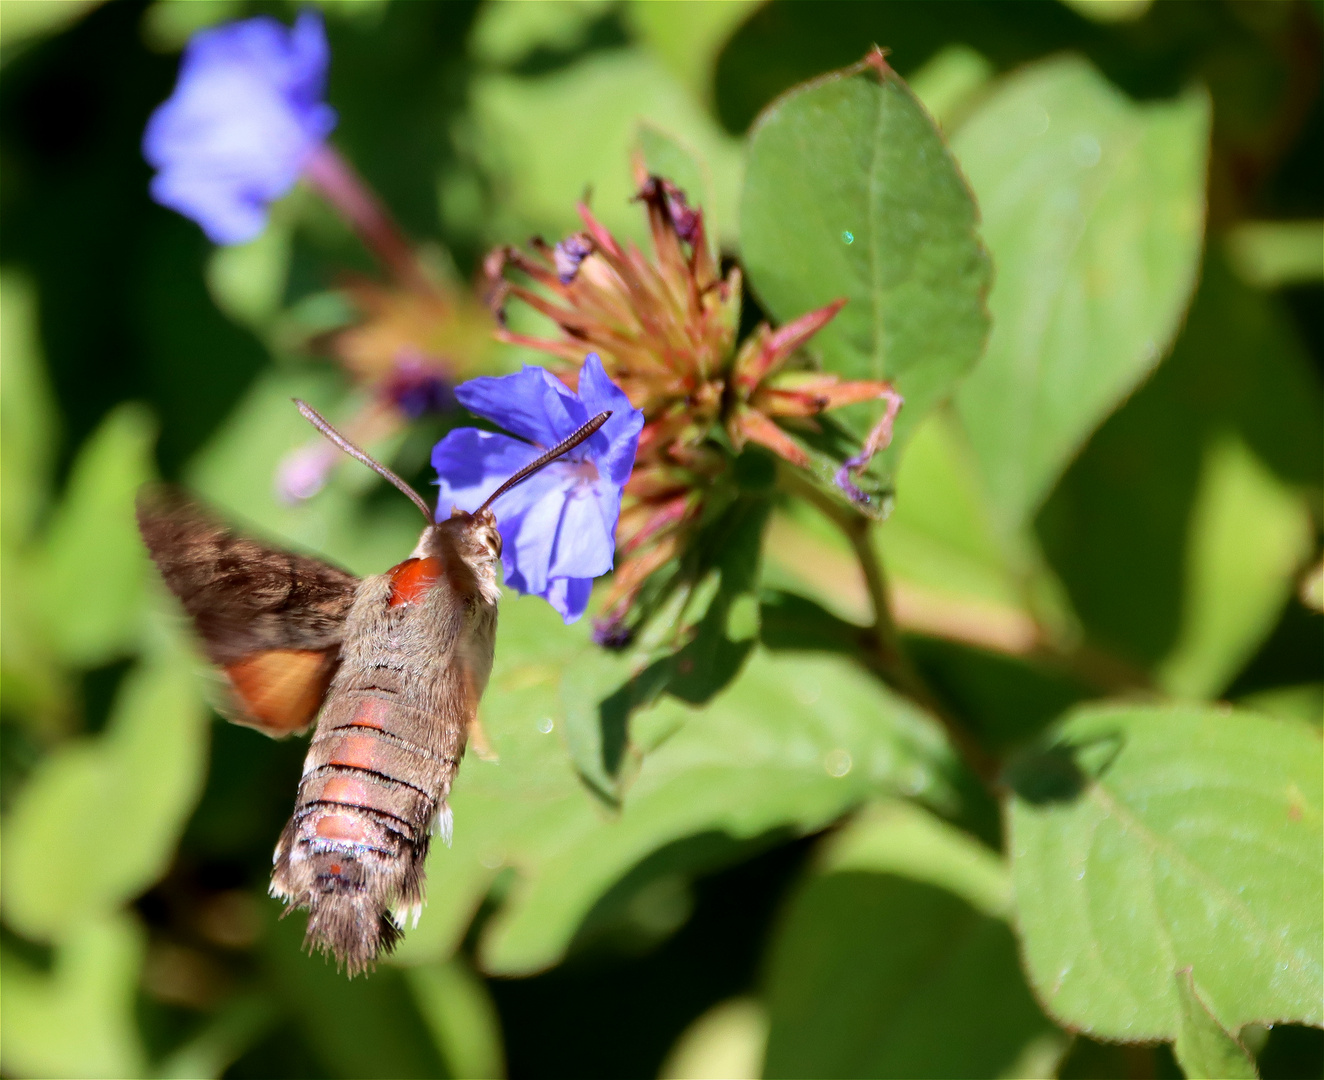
(1250, 534)
(850, 192)
(1203, 1046)
(791, 744)
(27, 413)
(78, 1020)
(1174, 528)
(1146, 840)
(91, 563)
(98, 820)
(547, 141)
(358, 1027)
(1094, 212)
(894, 960)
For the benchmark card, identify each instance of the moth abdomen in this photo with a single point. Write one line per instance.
(354, 850)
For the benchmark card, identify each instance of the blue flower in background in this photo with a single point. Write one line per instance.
(245, 116)
(558, 528)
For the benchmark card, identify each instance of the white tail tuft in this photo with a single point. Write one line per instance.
(443, 824)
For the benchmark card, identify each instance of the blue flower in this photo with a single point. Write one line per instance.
(245, 116)
(558, 528)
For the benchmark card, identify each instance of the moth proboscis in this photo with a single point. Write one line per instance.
(391, 666)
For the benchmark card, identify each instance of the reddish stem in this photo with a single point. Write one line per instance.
(339, 183)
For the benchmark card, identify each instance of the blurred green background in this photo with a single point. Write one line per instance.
(561, 938)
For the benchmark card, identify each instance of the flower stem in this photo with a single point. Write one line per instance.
(340, 184)
(881, 642)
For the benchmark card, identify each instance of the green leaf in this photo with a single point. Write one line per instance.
(1273, 253)
(357, 1027)
(98, 820)
(1203, 1046)
(505, 31)
(894, 837)
(545, 141)
(31, 21)
(1123, 525)
(92, 564)
(698, 629)
(941, 538)
(728, 1040)
(78, 1020)
(1148, 839)
(29, 674)
(1249, 536)
(459, 1011)
(873, 975)
(950, 81)
(237, 1025)
(687, 38)
(27, 412)
(791, 745)
(850, 192)
(1094, 213)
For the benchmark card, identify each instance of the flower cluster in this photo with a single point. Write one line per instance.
(247, 119)
(558, 528)
(665, 329)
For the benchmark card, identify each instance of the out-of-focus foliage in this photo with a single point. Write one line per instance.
(1067, 823)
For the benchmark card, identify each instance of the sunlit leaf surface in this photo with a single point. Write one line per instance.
(850, 192)
(1093, 210)
(1149, 839)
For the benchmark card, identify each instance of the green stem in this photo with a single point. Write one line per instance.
(881, 642)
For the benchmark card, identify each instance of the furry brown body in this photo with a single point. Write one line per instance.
(415, 660)
(396, 665)
(407, 656)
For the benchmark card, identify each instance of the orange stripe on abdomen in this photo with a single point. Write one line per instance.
(355, 752)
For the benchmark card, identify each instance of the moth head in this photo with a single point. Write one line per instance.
(474, 536)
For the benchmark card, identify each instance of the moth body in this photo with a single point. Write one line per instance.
(415, 658)
(392, 666)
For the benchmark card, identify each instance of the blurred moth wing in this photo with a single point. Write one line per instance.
(270, 620)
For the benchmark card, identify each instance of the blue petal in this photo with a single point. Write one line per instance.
(532, 404)
(613, 447)
(569, 596)
(529, 539)
(585, 542)
(471, 464)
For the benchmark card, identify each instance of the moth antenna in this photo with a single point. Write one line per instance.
(319, 421)
(568, 443)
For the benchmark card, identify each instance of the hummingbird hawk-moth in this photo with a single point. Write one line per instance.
(392, 666)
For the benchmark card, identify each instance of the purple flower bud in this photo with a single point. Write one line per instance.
(612, 634)
(245, 116)
(843, 480)
(558, 528)
(302, 473)
(416, 388)
(684, 218)
(569, 253)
